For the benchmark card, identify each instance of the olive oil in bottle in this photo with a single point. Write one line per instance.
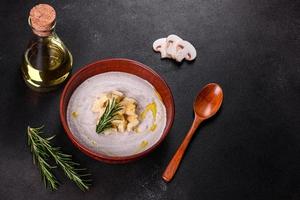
(47, 62)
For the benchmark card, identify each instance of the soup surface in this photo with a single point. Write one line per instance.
(150, 108)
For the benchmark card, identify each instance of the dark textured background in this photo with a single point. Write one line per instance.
(251, 150)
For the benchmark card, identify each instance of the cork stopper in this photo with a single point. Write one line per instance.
(42, 19)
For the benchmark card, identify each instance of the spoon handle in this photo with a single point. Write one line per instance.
(174, 163)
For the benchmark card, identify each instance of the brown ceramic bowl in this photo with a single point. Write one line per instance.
(121, 65)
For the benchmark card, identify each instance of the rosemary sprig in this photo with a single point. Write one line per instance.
(40, 157)
(111, 110)
(42, 150)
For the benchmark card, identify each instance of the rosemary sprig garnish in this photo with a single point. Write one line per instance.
(111, 110)
(42, 150)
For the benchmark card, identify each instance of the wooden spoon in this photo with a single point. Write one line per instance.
(206, 104)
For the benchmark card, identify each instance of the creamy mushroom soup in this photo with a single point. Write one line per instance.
(150, 109)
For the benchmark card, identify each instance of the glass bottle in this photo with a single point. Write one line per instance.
(47, 62)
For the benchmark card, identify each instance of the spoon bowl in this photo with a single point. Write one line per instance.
(208, 101)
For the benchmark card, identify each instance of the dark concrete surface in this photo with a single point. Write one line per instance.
(251, 150)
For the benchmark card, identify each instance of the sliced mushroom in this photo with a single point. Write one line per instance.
(172, 41)
(181, 51)
(192, 52)
(160, 45)
(185, 50)
(176, 48)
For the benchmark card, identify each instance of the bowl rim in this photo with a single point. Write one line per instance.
(100, 156)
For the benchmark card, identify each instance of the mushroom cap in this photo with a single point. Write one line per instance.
(185, 47)
(173, 38)
(160, 45)
(157, 44)
(172, 41)
(181, 51)
(192, 52)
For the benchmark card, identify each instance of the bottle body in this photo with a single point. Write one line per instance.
(47, 63)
